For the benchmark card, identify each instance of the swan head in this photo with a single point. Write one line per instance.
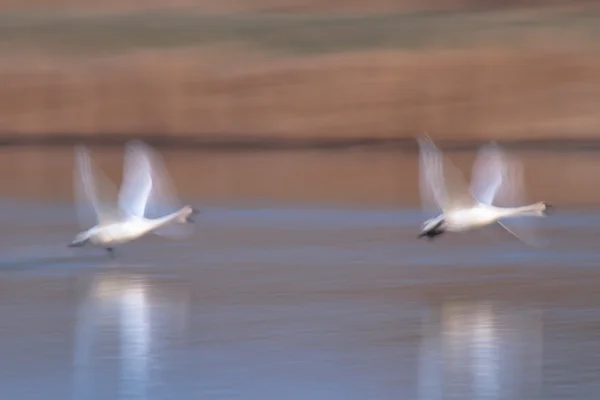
(81, 239)
(187, 213)
(546, 208)
(433, 227)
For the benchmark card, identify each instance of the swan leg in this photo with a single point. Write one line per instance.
(433, 231)
(111, 252)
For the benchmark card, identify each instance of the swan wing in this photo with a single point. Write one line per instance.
(506, 188)
(442, 185)
(431, 180)
(489, 172)
(137, 180)
(95, 194)
(497, 178)
(522, 230)
(147, 190)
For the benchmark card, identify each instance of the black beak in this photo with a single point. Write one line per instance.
(548, 208)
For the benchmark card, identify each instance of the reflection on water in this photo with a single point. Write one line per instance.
(299, 304)
(122, 309)
(481, 350)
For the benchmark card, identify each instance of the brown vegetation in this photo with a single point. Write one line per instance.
(475, 93)
(470, 76)
(295, 6)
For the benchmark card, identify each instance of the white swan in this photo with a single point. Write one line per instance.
(122, 220)
(466, 207)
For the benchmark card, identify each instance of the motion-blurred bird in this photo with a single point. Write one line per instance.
(464, 208)
(120, 220)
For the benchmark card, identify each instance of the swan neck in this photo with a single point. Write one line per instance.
(158, 222)
(529, 210)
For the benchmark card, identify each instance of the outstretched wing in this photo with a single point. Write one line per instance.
(95, 195)
(522, 230)
(442, 185)
(431, 176)
(147, 190)
(513, 193)
(137, 180)
(490, 170)
(498, 178)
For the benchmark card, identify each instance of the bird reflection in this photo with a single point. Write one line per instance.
(480, 350)
(135, 335)
(121, 323)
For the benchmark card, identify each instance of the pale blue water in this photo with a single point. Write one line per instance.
(299, 304)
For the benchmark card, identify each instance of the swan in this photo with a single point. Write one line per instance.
(466, 207)
(122, 220)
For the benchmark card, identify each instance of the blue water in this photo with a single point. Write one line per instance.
(299, 304)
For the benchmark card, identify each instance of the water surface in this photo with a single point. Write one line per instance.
(317, 299)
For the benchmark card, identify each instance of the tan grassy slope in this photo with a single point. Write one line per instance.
(477, 77)
(293, 6)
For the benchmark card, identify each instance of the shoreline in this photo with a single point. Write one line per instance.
(240, 143)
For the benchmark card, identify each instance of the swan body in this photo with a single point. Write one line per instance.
(125, 221)
(465, 208)
(130, 229)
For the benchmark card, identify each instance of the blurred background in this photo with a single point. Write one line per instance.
(291, 124)
(302, 74)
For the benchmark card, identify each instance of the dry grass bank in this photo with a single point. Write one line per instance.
(474, 93)
(458, 76)
(287, 6)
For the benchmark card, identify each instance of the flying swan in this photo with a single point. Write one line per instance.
(466, 207)
(124, 219)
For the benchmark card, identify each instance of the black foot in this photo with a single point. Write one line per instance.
(430, 235)
(111, 252)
